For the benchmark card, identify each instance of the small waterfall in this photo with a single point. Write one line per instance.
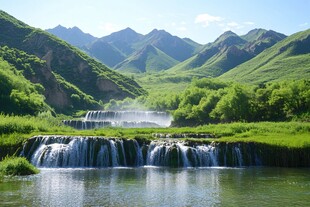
(75, 151)
(58, 151)
(177, 154)
(126, 119)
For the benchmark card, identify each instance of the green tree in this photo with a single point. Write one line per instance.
(234, 106)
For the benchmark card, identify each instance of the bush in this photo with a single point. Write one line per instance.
(17, 166)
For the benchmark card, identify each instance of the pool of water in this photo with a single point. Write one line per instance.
(150, 186)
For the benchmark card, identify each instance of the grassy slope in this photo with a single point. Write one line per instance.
(149, 59)
(68, 61)
(253, 34)
(36, 70)
(275, 63)
(215, 58)
(15, 130)
(163, 83)
(17, 94)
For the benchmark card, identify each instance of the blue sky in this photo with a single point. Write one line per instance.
(201, 20)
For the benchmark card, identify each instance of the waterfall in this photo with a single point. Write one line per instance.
(127, 119)
(162, 153)
(76, 151)
(62, 151)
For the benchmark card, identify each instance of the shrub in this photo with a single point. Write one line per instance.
(17, 166)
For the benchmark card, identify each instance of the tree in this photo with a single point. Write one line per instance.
(234, 106)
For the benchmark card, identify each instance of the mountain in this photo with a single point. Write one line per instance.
(105, 52)
(287, 59)
(18, 94)
(228, 51)
(253, 34)
(261, 40)
(65, 72)
(149, 59)
(123, 38)
(123, 49)
(157, 51)
(173, 46)
(73, 36)
(57, 91)
(114, 48)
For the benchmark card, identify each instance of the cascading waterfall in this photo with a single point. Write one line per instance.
(66, 151)
(127, 119)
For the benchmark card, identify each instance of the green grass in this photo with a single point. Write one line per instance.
(150, 59)
(285, 60)
(14, 130)
(163, 82)
(12, 166)
(289, 134)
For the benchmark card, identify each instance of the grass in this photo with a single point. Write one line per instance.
(12, 166)
(289, 134)
(276, 63)
(14, 130)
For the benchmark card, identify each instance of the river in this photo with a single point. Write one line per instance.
(159, 186)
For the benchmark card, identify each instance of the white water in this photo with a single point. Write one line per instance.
(57, 151)
(127, 119)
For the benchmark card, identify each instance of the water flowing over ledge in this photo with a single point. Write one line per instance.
(126, 119)
(75, 151)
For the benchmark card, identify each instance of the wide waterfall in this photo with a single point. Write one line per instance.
(66, 151)
(127, 119)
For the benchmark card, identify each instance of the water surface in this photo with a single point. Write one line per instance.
(152, 186)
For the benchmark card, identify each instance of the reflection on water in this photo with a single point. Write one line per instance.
(150, 186)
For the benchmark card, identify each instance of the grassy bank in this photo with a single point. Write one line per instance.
(12, 166)
(14, 130)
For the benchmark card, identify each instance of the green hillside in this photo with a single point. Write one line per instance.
(253, 34)
(216, 58)
(288, 59)
(173, 46)
(227, 51)
(105, 52)
(17, 94)
(59, 93)
(149, 59)
(70, 66)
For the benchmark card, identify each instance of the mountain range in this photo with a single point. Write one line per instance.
(129, 51)
(39, 71)
(230, 56)
(288, 59)
(68, 78)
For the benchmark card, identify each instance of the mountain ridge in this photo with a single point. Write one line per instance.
(226, 52)
(287, 59)
(75, 36)
(126, 43)
(214, 59)
(70, 67)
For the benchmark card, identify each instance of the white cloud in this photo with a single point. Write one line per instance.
(182, 29)
(109, 27)
(304, 24)
(142, 19)
(233, 24)
(248, 23)
(207, 19)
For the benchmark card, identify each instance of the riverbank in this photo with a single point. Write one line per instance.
(282, 138)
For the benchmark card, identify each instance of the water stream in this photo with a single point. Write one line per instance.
(158, 186)
(126, 119)
(76, 151)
